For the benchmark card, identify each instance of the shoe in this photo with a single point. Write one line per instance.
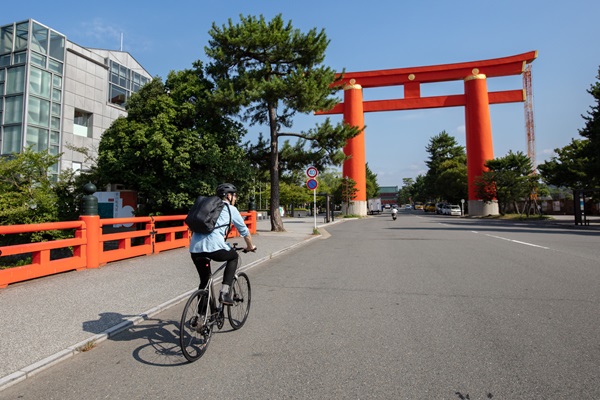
(226, 299)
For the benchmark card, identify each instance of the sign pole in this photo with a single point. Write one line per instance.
(312, 184)
(315, 206)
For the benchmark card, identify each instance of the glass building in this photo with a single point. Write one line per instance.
(56, 95)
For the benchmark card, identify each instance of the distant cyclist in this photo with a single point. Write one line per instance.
(214, 247)
(394, 212)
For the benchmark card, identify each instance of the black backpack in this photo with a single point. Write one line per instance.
(204, 214)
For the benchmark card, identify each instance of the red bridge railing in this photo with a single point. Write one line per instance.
(96, 242)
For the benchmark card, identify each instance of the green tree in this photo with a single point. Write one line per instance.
(419, 190)
(568, 167)
(577, 165)
(591, 132)
(372, 185)
(509, 179)
(174, 144)
(27, 194)
(267, 72)
(295, 195)
(405, 192)
(451, 183)
(446, 177)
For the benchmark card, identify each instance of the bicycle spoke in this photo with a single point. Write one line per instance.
(194, 332)
(238, 312)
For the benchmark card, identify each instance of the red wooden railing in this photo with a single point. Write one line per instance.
(92, 248)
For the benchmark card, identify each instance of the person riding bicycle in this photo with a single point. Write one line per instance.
(212, 246)
(394, 211)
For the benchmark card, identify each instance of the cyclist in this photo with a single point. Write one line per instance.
(394, 212)
(212, 246)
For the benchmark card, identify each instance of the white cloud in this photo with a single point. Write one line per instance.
(102, 34)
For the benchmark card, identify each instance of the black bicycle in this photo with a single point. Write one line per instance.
(203, 312)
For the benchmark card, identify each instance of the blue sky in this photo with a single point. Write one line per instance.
(165, 36)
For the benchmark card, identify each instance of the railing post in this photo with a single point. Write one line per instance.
(89, 215)
(252, 221)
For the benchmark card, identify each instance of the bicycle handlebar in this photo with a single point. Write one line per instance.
(236, 248)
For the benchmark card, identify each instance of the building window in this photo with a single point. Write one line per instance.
(5, 60)
(55, 66)
(39, 82)
(57, 46)
(21, 36)
(82, 123)
(11, 139)
(15, 80)
(76, 166)
(38, 112)
(6, 39)
(117, 95)
(37, 138)
(39, 39)
(20, 58)
(13, 110)
(123, 82)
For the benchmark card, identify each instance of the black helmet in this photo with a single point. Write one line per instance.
(225, 188)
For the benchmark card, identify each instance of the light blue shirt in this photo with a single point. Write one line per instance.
(209, 242)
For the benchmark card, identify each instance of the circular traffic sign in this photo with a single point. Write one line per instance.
(312, 172)
(312, 184)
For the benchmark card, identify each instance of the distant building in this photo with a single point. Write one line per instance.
(388, 194)
(55, 93)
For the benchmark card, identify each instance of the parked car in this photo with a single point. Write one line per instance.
(429, 207)
(407, 207)
(454, 209)
(446, 209)
(439, 208)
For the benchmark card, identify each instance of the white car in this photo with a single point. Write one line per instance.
(454, 209)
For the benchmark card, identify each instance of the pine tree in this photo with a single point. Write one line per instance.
(266, 72)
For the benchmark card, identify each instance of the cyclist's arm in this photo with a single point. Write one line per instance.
(240, 225)
(249, 245)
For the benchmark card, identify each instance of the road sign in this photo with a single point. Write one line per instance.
(312, 184)
(312, 172)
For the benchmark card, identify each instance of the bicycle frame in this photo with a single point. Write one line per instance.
(213, 303)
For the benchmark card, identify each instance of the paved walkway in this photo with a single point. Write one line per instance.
(45, 321)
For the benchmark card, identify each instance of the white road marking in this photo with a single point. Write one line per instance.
(516, 241)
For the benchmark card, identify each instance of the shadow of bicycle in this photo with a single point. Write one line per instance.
(157, 340)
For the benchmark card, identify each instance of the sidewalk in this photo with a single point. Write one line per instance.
(45, 321)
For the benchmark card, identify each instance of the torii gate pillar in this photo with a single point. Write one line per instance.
(354, 166)
(480, 147)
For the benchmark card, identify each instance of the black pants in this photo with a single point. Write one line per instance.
(203, 265)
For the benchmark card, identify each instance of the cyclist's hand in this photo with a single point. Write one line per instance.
(246, 250)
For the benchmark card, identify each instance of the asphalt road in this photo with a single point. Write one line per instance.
(425, 307)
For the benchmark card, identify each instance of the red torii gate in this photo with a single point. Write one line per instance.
(476, 100)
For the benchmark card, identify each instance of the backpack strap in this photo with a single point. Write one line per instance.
(228, 229)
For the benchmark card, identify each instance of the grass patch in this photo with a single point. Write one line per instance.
(87, 346)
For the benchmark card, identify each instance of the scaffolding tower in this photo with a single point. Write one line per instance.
(529, 124)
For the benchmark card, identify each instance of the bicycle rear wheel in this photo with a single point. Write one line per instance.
(238, 312)
(194, 332)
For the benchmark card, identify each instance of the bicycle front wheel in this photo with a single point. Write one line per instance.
(238, 312)
(194, 332)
